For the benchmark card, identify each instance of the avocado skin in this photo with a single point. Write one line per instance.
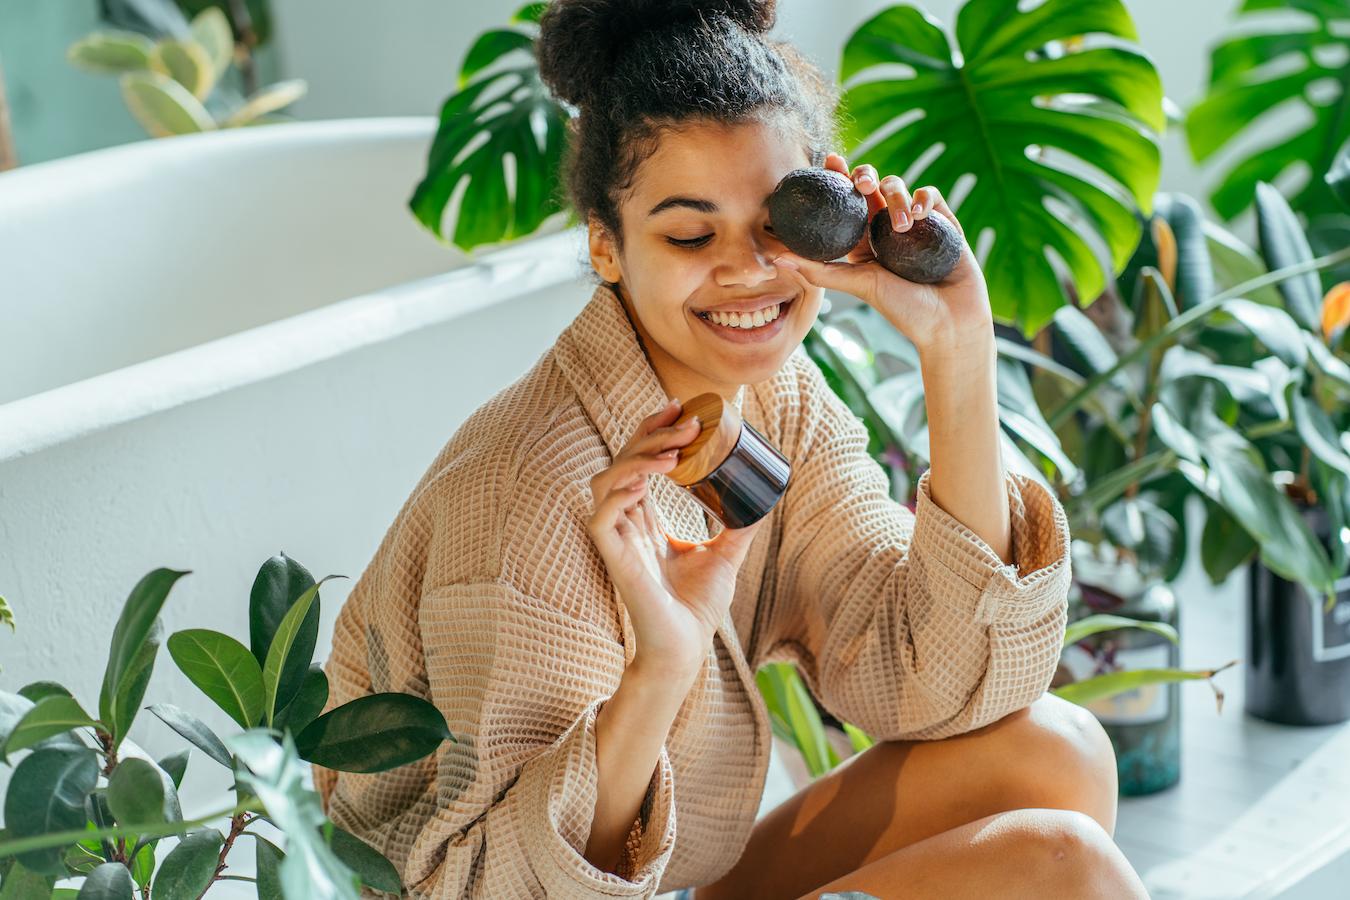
(925, 254)
(818, 213)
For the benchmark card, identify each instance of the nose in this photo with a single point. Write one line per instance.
(749, 263)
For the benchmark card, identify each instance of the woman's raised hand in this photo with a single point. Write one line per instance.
(676, 592)
(935, 317)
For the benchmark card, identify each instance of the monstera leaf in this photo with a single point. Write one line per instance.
(510, 107)
(1013, 85)
(1237, 97)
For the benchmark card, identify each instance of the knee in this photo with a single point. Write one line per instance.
(1068, 854)
(1059, 749)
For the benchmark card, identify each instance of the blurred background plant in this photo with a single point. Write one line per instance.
(171, 70)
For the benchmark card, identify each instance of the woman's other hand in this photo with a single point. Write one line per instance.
(676, 592)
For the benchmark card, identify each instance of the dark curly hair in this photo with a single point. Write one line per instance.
(635, 69)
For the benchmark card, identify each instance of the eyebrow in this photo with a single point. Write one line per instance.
(697, 204)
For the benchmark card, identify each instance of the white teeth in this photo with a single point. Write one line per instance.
(746, 320)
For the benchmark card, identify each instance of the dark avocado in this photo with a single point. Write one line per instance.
(818, 213)
(926, 253)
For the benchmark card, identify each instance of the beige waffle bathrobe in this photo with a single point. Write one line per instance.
(488, 597)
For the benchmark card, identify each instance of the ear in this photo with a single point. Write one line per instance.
(604, 256)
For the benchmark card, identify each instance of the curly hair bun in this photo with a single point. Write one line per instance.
(580, 39)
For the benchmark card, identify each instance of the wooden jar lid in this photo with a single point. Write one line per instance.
(720, 423)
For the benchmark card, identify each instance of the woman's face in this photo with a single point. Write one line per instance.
(697, 238)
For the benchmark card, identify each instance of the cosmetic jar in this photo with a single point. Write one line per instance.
(730, 468)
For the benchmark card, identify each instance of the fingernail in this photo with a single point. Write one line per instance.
(918, 208)
(901, 220)
(866, 179)
(787, 263)
(694, 421)
(674, 401)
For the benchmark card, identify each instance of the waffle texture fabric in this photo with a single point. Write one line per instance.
(487, 596)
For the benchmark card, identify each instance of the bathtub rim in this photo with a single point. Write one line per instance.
(67, 413)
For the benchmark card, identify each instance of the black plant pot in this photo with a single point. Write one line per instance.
(1298, 653)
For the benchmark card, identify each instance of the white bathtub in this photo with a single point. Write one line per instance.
(223, 346)
(218, 347)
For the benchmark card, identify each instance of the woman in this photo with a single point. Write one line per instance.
(591, 635)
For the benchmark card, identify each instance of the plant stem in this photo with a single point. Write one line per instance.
(157, 829)
(1183, 321)
(248, 39)
(237, 824)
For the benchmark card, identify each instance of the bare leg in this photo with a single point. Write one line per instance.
(1023, 853)
(1050, 755)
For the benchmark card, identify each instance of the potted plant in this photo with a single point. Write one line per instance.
(1299, 671)
(172, 80)
(85, 802)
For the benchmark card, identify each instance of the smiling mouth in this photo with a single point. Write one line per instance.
(742, 322)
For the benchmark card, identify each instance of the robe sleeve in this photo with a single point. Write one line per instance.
(505, 809)
(906, 623)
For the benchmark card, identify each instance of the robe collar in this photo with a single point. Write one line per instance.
(601, 355)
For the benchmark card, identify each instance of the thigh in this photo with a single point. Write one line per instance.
(1021, 854)
(897, 793)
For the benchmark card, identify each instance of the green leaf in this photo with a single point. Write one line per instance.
(163, 106)
(1320, 435)
(36, 690)
(111, 52)
(175, 764)
(110, 881)
(1173, 434)
(1338, 176)
(488, 48)
(49, 716)
(131, 634)
(268, 100)
(186, 62)
(267, 864)
(369, 864)
(530, 127)
(374, 733)
(6, 614)
(22, 883)
(307, 704)
(259, 13)
(276, 775)
(1270, 325)
(992, 109)
(1247, 491)
(13, 708)
(279, 584)
(212, 31)
(189, 867)
(1112, 683)
(1284, 244)
(1094, 624)
(292, 641)
(193, 730)
(46, 794)
(143, 866)
(224, 670)
(1224, 544)
(1143, 527)
(130, 693)
(1245, 88)
(857, 737)
(140, 793)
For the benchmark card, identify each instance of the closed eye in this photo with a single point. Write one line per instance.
(700, 241)
(690, 242)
